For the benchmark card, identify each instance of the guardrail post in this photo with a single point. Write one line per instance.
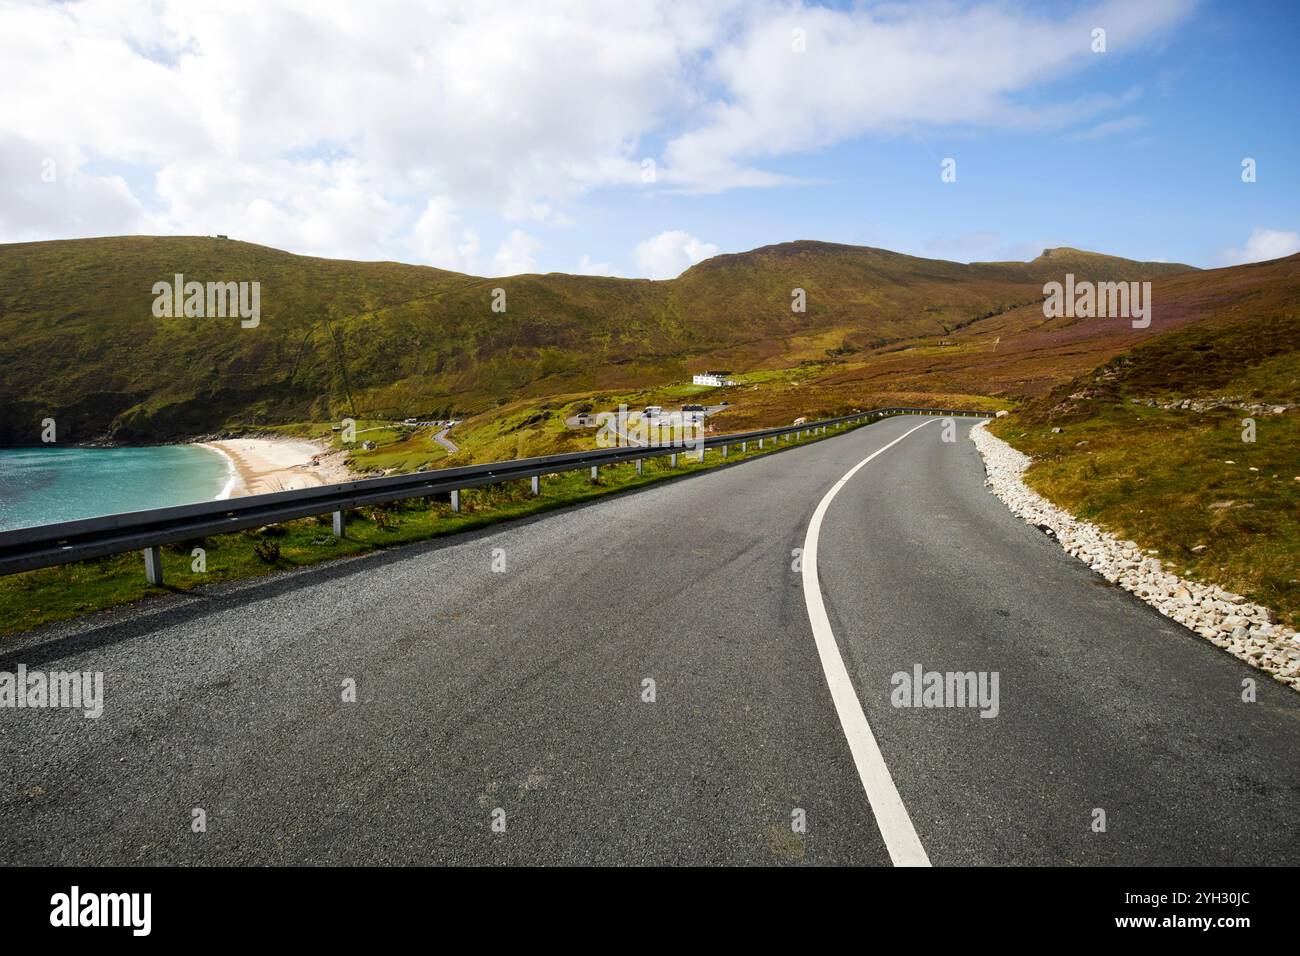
(455, 501)
(724, 451)
(153, 565)
(760, 444)
(595, 472)
(536, 483)
(338, 524)
(638, 466)
(672, 460)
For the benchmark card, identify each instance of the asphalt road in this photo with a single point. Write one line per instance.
(442, 439)
(517, 695)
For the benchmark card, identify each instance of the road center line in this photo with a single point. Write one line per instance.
(891, 816)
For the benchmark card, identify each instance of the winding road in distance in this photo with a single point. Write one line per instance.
(517, 696)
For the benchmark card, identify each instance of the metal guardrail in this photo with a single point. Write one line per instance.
(25, 549)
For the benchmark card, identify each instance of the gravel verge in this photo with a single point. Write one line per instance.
(1226, 620)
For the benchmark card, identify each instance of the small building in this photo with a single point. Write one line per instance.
(713, 379)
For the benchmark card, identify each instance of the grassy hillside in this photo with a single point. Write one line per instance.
(79, 342)
(1153, 444)
(1150, 445)
(1019, 354)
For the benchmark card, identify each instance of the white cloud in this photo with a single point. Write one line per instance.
(515, 254)
(890, 69)
(441, 241)
(1108, 128)
(321, 207)
(668, 254)
(47, 194)
(326, 128)
(1264, 244)
(588, 268)
(982, 247)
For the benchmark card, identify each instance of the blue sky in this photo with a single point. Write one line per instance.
(495, 139)
(1225, 85)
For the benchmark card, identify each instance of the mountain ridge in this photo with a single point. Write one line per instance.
(80, 344)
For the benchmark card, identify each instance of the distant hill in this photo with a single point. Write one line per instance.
(1184, 438)
(79, 341)
(1020, 354)
(1233, 337)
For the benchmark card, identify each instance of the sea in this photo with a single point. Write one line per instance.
(47, 485)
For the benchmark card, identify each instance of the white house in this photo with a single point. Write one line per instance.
(713, 379)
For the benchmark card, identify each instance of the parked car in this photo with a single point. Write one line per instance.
(653, 411)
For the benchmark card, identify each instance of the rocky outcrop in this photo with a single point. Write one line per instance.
(1209, 404)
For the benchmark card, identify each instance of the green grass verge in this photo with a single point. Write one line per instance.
(1182, 483)
(48, 595)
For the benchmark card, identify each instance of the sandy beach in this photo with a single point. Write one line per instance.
(261, 465)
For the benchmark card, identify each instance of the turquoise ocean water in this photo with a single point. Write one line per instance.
(46, 485)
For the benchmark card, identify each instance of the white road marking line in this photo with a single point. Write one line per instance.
(891, 816)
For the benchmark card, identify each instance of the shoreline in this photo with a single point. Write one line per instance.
(263, 465)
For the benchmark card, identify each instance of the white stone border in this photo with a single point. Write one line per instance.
(1226, 620)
